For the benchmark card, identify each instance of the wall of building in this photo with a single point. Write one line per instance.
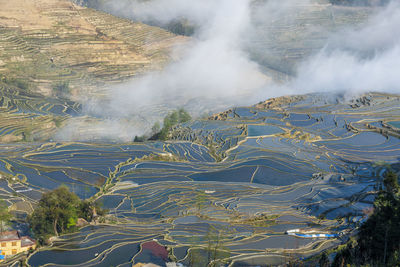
(11, 247)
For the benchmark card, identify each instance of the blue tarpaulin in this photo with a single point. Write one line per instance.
(315, 235)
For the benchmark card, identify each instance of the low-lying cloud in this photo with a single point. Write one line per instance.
(357, 60)
(215, 70)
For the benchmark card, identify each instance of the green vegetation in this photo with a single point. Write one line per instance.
(181, 27)
(5, 215)
(58, 212)
(378, 241)
(172, 119)
(263, 220)
(88, 210)
(156, 128)
(17, 82)
(323, 260)
(214, 254)
(201, 202)
(61, 88)
(140, 138)
(90, 3)
(159, 157)
(213, 151)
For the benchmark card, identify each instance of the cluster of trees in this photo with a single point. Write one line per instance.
(181, 27)
(61, 89)
(58, 212)
(378, 241)
(17, 82)
(214, 253)
(173, 118)
(90, 3)
(5, 215)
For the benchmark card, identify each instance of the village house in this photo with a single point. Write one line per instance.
(12, 243)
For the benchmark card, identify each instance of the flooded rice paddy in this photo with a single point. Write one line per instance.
(250, 175)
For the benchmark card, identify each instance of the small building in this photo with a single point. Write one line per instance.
(12, 243)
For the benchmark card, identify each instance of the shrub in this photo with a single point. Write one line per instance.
(58, 212)
(61, 88)
(172, 119)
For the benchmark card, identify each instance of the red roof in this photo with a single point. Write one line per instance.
(9, 236)
(15, 236)
(156, 249)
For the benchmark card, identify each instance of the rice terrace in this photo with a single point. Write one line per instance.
(215, 133)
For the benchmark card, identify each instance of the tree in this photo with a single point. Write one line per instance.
(17, 82)
(156, 128)
(215, 247)
(323, 260)
(172, 119)
(183, 116)
(181, 27)
(5, 215)
(88, 210)
(379, 236)
(138, 139)
(57, 212)
(201, 201)
(391, 182)
(214, 253)
(61, 89)
(378, 240)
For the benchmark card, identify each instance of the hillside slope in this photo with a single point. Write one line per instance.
(53, 50)
(279, 39)
(48, 41)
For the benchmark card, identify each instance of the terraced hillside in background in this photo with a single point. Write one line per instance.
(279, 40)
(288, 37)
(28, 116)
(49, 41)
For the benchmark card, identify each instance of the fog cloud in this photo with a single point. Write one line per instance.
(357, 60)
(215, 70)
(213, 66)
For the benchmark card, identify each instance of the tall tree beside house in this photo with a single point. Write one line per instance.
(5, 215)
(57, 213)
